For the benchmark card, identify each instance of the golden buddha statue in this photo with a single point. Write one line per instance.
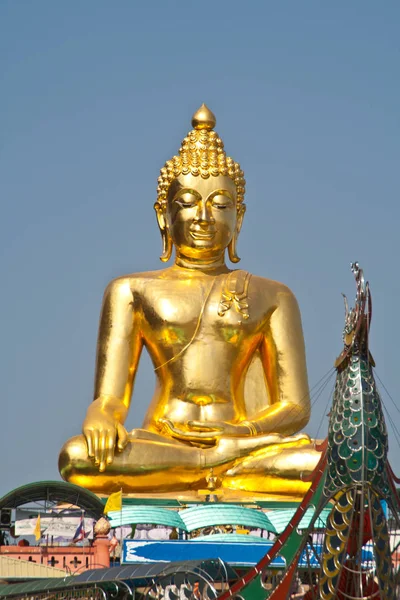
(227, 348)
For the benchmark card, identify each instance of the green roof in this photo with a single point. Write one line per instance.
(134, 515)
(281, 518)
(141, 574)
(196, 517)
(54, 491)
(208, 515)
(38, 585)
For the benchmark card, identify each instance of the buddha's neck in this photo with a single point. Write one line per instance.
(217, 264)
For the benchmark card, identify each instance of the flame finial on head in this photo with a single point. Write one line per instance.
(201, 153)
(204, 118)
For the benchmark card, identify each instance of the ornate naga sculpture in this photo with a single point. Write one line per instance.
(352, 557)
(227, 349)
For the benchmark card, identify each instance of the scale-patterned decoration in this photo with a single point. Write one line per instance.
(357, 435)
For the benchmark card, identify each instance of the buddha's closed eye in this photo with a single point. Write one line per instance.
(221, 199)
(187, 198)
(222, 203)
(184, 204)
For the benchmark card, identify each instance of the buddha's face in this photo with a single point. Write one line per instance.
(202, 215)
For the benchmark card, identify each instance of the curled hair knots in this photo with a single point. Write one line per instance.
(201, 153)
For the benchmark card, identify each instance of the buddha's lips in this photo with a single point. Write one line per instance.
(202, 235)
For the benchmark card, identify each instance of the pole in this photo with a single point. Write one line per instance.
(83, 539)
(120, 534)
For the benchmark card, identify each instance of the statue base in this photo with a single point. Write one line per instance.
(222, 495)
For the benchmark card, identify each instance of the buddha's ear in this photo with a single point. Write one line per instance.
(166, 238)
(160, 213)
(233, 257)
(241, 209)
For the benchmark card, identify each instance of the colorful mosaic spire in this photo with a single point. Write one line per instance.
(357, 478)
(357, 437)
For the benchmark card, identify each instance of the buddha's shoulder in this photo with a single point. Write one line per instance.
(135, 281)
(275, 290)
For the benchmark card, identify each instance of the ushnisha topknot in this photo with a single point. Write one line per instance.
(201, 153)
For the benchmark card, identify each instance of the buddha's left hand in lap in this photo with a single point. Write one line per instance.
(211, 432)
(205, 433)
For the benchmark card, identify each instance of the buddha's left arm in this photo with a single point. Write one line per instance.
(284, 362)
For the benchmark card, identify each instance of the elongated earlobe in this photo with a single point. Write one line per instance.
(166, 238)
(241, 209)
(233, 257)
(167, 246)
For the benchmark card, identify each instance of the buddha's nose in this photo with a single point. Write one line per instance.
(204, 217)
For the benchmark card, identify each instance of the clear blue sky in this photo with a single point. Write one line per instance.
(96, 95)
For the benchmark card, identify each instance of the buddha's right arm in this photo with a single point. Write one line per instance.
(119, 342)
(118, 352)
(284, 360)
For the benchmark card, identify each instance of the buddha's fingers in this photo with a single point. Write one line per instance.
(110, 445)
(102, 450)
(96, 447)
(207, 437)
(200, 426)
(89, 440)
(122, 437)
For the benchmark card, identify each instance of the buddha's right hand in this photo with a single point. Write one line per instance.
(104, 431)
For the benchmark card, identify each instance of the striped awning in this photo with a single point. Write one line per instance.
(209, 515)
(196, 517)
(136, 515)
(281, 518)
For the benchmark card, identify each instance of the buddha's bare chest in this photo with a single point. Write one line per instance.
(199, 314)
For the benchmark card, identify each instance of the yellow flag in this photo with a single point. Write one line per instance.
(37, 531)
(242, 530)
(114, 502)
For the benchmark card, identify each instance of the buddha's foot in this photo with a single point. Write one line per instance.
(238, 448)
(276, 469)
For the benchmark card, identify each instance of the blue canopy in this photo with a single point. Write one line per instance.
(236, 553)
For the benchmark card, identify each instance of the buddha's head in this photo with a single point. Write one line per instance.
(200, 203)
